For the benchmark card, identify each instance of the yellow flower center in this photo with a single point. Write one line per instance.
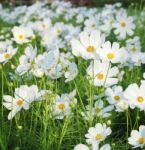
(140, 99)
(61, 106)
(99, 136)
(98, 109)
(100, 76)
(59, 31)
(110, 55)
(49, 69)
(43, 26)
(20, 102)
(141, 140)
(133, 49)
(21, 36)
(7, 56)
(90, 49)
(93, 26)
(123, 24)
(117, 98)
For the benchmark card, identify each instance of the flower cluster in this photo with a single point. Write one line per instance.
(48, 50)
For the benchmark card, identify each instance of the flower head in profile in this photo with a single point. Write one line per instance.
(27, 60)
(71, 72)
(99, 110)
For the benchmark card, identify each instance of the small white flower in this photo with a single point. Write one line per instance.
(81, 147)
(63, 104)
(87, 45)
(97, 133)
(27, 60)
(113, 54)
(137, 138)
(44, 25)
(22, 98)
(72, 72)
(95, 146)
(124, 25)
(138, 58)
(122, 106)
(6, 51)
(101, 110)
(135, 95)
(114, 95)
(91, 24)
(22, 34)
(102, 74)
(133, 45)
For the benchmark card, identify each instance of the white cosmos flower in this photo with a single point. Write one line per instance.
(137, 138)
(101, 110)
(27, 60)
(22, 34)
(107, 24)
(6, 51)
(23, 96)
(124, 25)
(102, 74)
(87, 45)
(44, 25)
(136, 95)
(95, 146)
(62, 107)
(122, 106)
(133, 45)
(49, 41)
(63, 104)
(81, 147)
(51, 67)
(79, 18)
(72, 72)
(113, 53)
(65, 58)
(37, 71)
(27, 93)
(58, 28)
(15, 105)
(114, 95)
(138, 58)
(55, 72)
(91, 24)
(97, 133)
